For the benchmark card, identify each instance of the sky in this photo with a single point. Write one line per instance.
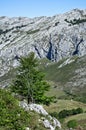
(36, 8)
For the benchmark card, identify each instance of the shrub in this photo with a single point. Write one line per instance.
(54, 114)
(62, 114)
(65, 113)
(72, 124)
(11, 115)
(79, 110)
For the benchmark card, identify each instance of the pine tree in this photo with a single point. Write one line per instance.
(30, 81)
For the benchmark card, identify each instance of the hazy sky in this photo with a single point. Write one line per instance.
(34, 8)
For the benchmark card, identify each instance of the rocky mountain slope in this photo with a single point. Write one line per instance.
(52, 37)
(69, 75)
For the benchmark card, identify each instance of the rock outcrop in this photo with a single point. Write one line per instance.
(52, 37)
(49, 122)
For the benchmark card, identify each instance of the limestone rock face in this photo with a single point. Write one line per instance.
(48, 121)
(52, 37)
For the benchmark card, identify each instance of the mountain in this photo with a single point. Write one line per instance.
(52, 37)
(60, 44)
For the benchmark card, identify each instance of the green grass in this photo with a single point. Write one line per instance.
(69, 105)
(55, 92)
(62, 74)
(65, 104)
(78, 117)
(67, 73)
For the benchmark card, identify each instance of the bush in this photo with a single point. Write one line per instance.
(54, 114)
(62, 114)
(79, 110)
(12, 117)
(72, 124)
(65, 113)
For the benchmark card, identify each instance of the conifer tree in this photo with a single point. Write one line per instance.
(29, 81)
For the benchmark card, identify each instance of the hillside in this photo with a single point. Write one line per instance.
(59, 43)
(53, 37)
(68, 84)
(68, 75)
(18, 115)
(14, 117)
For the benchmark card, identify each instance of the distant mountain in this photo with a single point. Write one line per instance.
(54, 37)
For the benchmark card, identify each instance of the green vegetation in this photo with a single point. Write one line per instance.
(54, 114)
(65, 113)
(75, 21)
(69, 105)
(72, 124)
(58, 79)
(29, 81)
(80, 118)
(77, 117)
(61, 77)
(65, 104)
(12, 117)
(62, 74)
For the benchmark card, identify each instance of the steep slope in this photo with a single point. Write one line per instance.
(18, 115)
(69, 75)
(52, 37)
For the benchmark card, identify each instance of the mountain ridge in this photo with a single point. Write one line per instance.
(53, 37)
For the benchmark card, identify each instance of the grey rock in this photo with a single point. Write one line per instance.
(48, 121)
(52, 37)
(68, 61)
(27, 128)
(48, 125)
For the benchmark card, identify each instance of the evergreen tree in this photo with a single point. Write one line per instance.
(30, 82)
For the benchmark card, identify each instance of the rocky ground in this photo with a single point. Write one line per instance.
(52, 37)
